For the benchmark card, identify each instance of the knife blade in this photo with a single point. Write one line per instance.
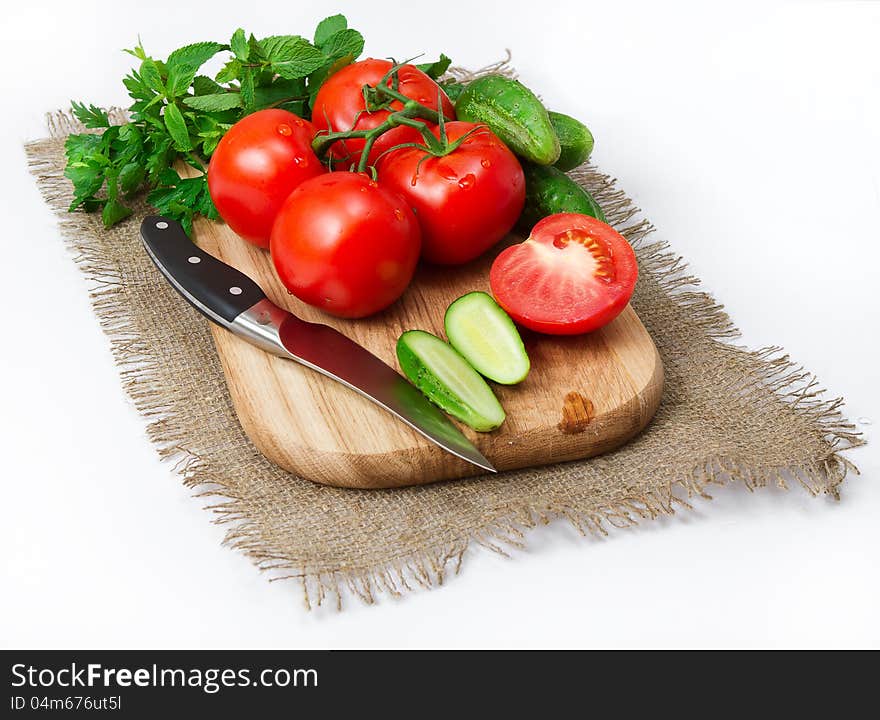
(234, 301)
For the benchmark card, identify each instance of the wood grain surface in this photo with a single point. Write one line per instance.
(584, 395)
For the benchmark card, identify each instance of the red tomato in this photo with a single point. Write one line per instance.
(345, 244)
(465, 201)
(574, 274)
(257, 164)
(340, 105)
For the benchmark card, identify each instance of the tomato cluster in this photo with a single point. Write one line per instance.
(348, 241)
(344, 241)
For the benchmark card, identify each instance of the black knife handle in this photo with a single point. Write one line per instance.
(214, 288)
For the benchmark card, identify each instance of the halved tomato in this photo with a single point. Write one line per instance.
(572, 275)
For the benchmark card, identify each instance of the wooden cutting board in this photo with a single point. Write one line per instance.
(584, 395)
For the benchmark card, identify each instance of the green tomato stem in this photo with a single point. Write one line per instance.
(411, 110)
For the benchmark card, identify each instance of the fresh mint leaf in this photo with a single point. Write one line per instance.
(255, 53)
(240, 46)
(329, 26)
(437, 68)
(203, 85)
(345, 42)
(214, 103)
(247, 89)
(152, 76)
(194, 55)
(300, 58)
(276, 48)
(184, 63)
(176, 126)
(230, 72)
(278, 92)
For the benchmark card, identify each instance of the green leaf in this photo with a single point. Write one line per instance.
(90, 116)
(279, 47)
(437, 68)
(131, 176)
(138, 51)
(152, 76)
(214, 103)
(181, 199)
(453, 88)
(247, 89)
(176, 126)
(329, 26)
(203, 85)
(159, 156)
(230, 71)
(113, 212)
(279, 90)
(300, 59)
(345, 42)
(240, 46)
(81, 146)
(184, 63)
(255, 53)
(194, 55)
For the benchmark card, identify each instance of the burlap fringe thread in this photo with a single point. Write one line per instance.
(167, 427)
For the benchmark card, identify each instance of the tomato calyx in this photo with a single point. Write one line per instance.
(383, 96)
(434, 146)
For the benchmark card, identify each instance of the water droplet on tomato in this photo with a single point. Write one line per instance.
(446, 172)
(299, 122)
(398, 213)
(301, 162)
(486, 162)
(285, 129)
(362, 189)
(467, 181)
(423, 100)
(373, 184)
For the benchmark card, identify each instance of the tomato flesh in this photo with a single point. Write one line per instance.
(256, 165)
(339, 106)
(573, 275)
(346, 245)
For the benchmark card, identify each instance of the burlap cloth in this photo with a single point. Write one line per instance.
(728, 414)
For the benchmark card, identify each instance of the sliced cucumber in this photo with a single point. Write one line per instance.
(446, 378)
(487, 338)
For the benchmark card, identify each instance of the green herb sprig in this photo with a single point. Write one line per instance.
(178, 113)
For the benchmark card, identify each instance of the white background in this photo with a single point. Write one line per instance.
(749, 134)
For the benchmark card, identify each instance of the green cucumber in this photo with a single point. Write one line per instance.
(550, 191)
(575, 141)
(513, 113)
(446, 378)
(487, 338)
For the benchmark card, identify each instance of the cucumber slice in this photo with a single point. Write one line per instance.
(487, 338)
(445, 377)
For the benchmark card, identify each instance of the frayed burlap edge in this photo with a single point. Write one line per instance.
(168, 426)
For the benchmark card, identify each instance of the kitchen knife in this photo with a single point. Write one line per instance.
(234, 301)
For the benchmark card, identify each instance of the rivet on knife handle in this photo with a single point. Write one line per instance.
(214, 288)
